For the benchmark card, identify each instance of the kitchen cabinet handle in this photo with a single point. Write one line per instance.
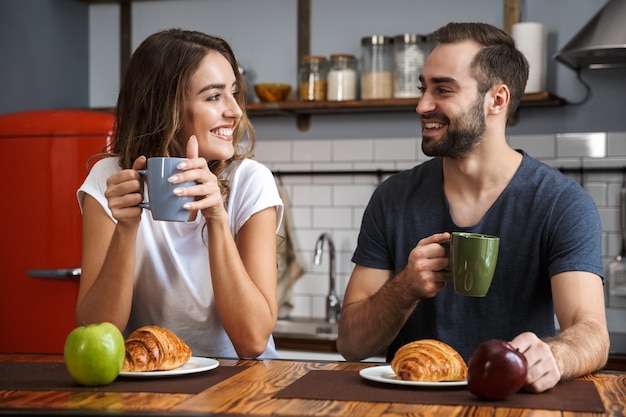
(54, 273)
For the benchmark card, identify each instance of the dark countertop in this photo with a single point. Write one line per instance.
(616, 362)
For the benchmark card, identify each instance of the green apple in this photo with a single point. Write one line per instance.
(94, 353)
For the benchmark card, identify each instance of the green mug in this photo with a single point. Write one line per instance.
(473, 258)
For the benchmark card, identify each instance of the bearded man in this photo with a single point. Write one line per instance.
(550, 235)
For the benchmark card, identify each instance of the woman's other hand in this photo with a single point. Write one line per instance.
(124, 193)
(207, 193)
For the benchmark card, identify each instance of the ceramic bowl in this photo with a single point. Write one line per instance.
(272, 92)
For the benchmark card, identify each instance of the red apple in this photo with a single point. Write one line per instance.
(496, 370)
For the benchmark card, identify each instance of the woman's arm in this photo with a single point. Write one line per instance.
(244, 268)
(107, 270)
(244, 275)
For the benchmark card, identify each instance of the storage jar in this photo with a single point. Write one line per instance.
(377, 67)
(313, 73)
(342, 78)
(410, 51)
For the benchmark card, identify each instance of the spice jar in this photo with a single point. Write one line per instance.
(376, 67)
(409, 54)
(313, 72)
(342, 78)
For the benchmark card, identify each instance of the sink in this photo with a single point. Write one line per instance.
(307, 327)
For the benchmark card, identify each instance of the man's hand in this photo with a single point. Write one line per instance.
(424, 266)
(543, 371)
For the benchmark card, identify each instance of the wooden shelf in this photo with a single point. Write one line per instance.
(370, 106)
(541, 99)
(330, 107)
(302, 110)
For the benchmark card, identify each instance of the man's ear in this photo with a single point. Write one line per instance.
(499, 97)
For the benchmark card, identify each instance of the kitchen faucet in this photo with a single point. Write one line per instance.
(333, 306)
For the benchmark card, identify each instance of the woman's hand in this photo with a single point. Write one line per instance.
(124, 193)
(207, 193)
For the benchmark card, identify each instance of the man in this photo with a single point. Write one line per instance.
(549, 228)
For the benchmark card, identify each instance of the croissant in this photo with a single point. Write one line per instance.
(429, 360)
(154, 348)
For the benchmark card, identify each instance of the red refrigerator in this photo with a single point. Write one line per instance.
(43, 160)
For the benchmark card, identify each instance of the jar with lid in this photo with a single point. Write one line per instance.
(313, 73)
(377, 67)
(409, 54)
(342, 78)
(429, 44)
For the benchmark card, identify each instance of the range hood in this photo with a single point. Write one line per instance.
(601, 43)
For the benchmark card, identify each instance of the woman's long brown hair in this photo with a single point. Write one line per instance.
(151, 103)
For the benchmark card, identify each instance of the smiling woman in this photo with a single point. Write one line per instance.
(211, 108)
(211, 280)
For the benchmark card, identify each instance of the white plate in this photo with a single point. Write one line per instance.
(194, 364)
(385, 374)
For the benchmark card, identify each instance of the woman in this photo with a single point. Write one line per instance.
(211, 280)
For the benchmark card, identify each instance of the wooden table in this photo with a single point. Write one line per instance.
(250, 393)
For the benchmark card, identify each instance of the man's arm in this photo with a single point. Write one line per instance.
(376, 305)
(582, 344)
(374, 309)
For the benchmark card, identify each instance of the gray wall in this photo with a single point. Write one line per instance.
(65, 53)
(43, 55)
(263, 35)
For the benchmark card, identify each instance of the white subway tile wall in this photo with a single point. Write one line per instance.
(334, 203)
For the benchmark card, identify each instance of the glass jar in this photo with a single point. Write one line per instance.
(409, 54)
(429, 44)
(342, 78)
(377, 67)
(313, 73)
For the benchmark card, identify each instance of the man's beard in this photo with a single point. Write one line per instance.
(462, 136)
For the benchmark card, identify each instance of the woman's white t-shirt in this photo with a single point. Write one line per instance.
(173, 286)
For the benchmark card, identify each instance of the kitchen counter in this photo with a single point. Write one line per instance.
(616, 363)
(325, 345)
(39, 385)
(306, 343)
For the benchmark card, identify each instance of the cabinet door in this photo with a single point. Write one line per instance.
(44, 156)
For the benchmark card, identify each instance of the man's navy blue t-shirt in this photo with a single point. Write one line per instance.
(547, 224)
